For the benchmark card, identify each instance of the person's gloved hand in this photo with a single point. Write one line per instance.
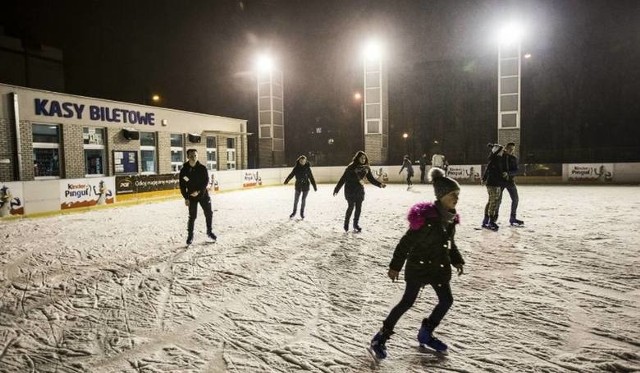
(393, 274)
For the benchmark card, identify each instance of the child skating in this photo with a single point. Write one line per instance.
(429, 249)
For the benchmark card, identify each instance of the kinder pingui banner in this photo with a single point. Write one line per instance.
(86, 192)
(598, 172)
(251, 179)
(11, 199)
(466, 173)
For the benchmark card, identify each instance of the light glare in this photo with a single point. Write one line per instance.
(264, 63)
(373, 50)
(511, 33)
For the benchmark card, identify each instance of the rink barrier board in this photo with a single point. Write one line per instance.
(53, 196)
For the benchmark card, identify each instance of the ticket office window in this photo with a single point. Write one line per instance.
(212, 154)
(148, 153)
(94, 151)
(177, 151)
(46, 151)
(231, 154)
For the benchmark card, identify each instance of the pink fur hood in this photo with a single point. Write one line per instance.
(423, 211)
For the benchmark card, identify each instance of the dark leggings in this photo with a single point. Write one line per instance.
(205, 202)
(445, 300)
(356, 216)
(297, 197)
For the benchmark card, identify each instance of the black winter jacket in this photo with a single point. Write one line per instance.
(510, 165)
(493, 174)
(193, 179)
(428, 247)
(304, 177)
(353, 181)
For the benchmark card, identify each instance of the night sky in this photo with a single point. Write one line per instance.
(199, 56)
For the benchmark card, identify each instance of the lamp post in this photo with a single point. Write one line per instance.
(375, 103)
(358, 97)
(270, 113)
(510, 82)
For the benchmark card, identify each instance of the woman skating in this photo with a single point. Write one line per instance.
(353, 181)
(304, 177)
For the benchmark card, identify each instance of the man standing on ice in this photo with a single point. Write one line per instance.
(510, 164)
(194, 181)
(429, 249)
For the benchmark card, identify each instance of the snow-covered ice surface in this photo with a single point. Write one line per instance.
(115, 289)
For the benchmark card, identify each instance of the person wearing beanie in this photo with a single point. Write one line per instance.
(353, 181)
(429, 250)
(406, 163)
(494, 178)
(304, 177)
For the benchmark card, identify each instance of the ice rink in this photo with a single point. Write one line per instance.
(116, 290)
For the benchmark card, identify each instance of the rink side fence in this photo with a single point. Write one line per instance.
(43, 197)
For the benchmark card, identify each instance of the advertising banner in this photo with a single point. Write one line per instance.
(380, 173)
(251, 179)
(76, 193)
(466, 173)
(213, 182)
(146, 183)
(598, 172)
(11, 199)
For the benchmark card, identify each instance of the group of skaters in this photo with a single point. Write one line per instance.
(499, 175)
(427, 250)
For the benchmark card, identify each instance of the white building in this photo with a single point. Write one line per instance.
(49, 135)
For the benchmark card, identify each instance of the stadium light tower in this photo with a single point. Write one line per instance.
(270, 113)
(509, 82)
(376, 102)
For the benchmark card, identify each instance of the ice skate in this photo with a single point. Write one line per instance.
(516, 222)
(189, 240)
(426, 339)
(377, 347)
(212, 237)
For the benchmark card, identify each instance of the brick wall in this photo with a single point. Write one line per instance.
(7, 150)
(72, 152)
(26, 137)
(506, 136)
(373, 147)
(163, 146)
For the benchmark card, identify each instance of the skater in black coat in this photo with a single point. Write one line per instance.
(194, 183)
(429, 249)
(304, 177)
(495, 177)
(353, 181)
(406, 163)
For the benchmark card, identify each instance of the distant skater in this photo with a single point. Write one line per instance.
(494, 178)
(194, 183)
(429, 249)
(423, 167)
(304, 177)
(437, 160)
(406, 163)
(353, 181)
